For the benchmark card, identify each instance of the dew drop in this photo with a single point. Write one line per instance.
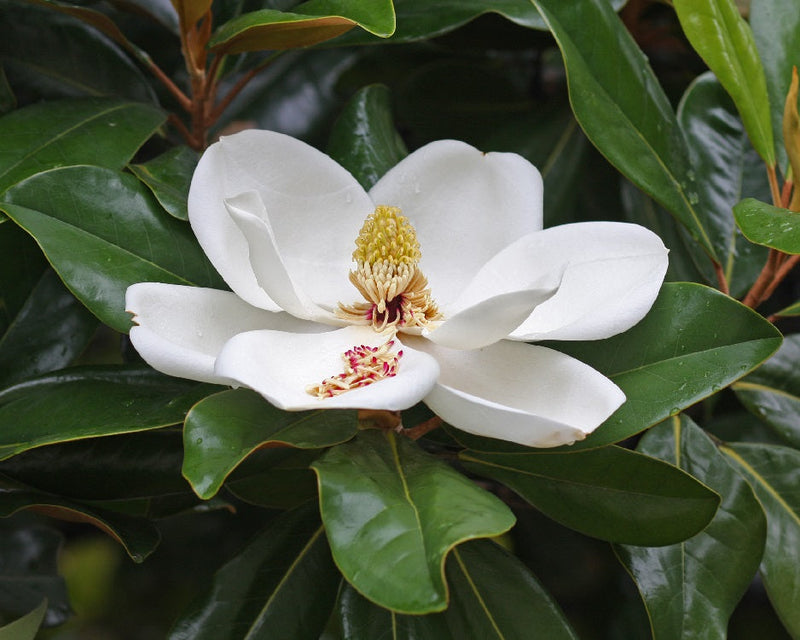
(198, 441)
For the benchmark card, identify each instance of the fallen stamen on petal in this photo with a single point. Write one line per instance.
(387, 275)
(363, 365)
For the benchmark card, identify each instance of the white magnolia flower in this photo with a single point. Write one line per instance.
(452, 274)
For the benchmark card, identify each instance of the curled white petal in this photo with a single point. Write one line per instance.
(248, 212)
(180, 330)
(521, 393)
(280, 365)
(608, 275)
(465, 205)
(316, 209)
(488, 321)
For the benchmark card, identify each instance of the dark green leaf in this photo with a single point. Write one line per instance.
(26, 627)
(493, 595)
(309, 23)
(54, 55)
(620, 105)
(776, 31)
(772, 392)
(21, 266)
(90, 402)
(102, 231)
(138, 536)
(276, 478)
(769, 226)
(364, 140)
(774, 474)
(29, 572)
(137, 465)
(48, 333)
(102, 132)
(168, 176)
(690, 589)
(609, 493)
(717, 31)
(679, 354)
(7, 98)
(225, 428)
(282, 586)
(418, 20)
(392, 514)
(731, 170)
(98, 20)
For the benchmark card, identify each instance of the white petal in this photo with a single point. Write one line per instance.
(465, 205)
(522, 393)
(487, 321)
(180, 330)
(280, 365)
(316, 209)
(609, 272)
(249, 214)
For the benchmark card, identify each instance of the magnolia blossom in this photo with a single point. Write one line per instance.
(428, 287)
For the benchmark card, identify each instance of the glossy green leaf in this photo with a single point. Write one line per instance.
(137, 465)
(717, 31)
(225, 428)
(679, 354)
(418, 20)
(89, 402)
(27, 626)
(769, 226)
(29, 572)
(791, 310)
(21, 267)
(774, 474)
(308, 23)
(48, 333)
(278, 478)
(730, 170)
(691, 589)
(96, 131)
(364, 139)
(138, 536)
(493, 595)
(102, 231)
(282, 586)
(621, 107)
(392, 514)
(54, 55)
(772, 392)
(776, 31)
(168, 176)
(609, 493)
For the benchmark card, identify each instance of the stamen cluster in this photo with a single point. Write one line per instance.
(387, 275)
(363, 365)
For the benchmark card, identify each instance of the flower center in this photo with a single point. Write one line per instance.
(388, 276)
(363, 365)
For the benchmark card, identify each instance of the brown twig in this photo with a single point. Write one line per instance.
(415, 433)
(756, 294)
(721, 279)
